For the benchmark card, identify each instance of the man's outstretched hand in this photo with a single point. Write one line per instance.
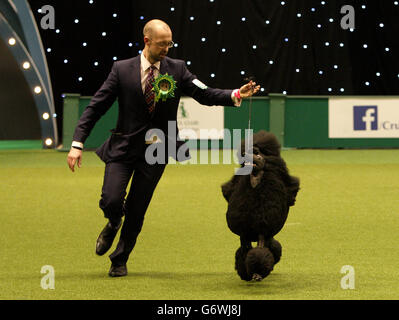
(74, 156)
(249, 89)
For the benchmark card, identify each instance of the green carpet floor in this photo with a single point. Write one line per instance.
(346, 214)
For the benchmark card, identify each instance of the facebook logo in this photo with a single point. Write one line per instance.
(365, 118)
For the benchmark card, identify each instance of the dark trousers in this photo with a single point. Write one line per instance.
(114, 205)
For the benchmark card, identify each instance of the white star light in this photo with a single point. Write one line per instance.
(26, 65)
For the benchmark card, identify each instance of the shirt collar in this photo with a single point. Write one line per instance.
(145, 64)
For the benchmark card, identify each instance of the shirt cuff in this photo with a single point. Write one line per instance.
(77, 144)
(235, 96)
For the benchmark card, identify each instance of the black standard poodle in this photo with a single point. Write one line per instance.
(258, 205)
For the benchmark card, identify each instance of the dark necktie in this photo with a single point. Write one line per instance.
(149, 94)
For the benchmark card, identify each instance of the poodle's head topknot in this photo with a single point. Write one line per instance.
(266, 142)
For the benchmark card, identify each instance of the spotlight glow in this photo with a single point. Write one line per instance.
(26, 65)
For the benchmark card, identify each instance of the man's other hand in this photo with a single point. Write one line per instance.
(249, 89)
(74, 156)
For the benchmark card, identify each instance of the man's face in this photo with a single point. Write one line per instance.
(158, 43)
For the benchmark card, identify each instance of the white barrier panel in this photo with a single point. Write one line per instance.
(196, 121)
(363, 117)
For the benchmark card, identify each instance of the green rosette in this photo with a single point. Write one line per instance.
(164, 87)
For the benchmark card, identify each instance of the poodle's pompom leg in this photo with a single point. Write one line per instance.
(276, 249)
(240, 257)
(259, 263)
(261, 241)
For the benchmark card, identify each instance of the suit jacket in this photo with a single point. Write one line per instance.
(134, 119)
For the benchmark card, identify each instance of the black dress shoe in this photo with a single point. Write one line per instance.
(106, 237)
(117, 271)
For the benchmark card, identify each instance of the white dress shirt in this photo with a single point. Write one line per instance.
(145, 69)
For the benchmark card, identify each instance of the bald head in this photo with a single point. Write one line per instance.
(157, 40)
(154, 27)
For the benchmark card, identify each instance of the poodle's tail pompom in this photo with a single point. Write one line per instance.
(259, 263)
(240, 266)
(276, 249)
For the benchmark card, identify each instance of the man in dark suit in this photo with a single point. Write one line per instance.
(131, 81)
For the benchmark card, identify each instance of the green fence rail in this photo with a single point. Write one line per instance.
(297, 121)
